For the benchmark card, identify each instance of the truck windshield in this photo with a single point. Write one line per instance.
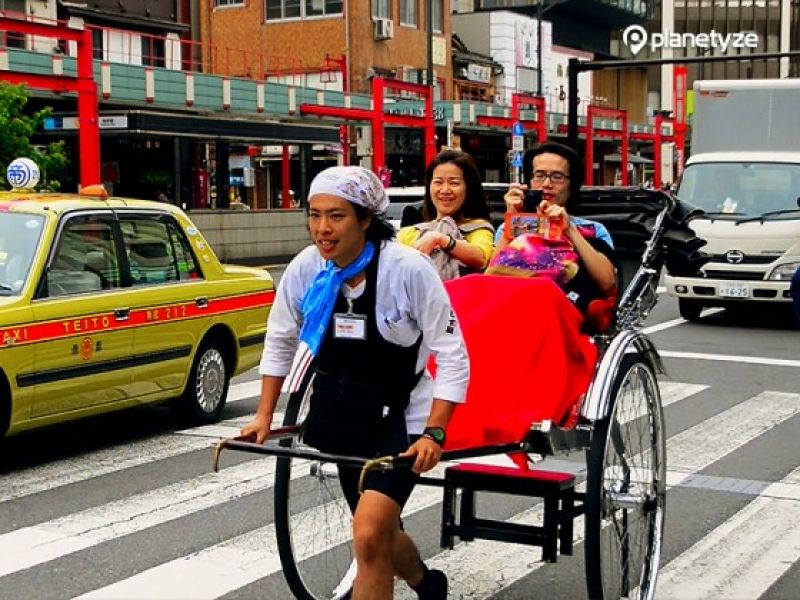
(742, 189)
(19, 239)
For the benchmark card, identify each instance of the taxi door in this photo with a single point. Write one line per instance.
(168, 301)
(83, 358)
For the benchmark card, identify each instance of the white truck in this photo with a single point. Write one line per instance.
(744, 172)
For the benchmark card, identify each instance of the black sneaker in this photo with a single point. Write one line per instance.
(434, 586)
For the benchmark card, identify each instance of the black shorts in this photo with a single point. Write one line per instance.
(397, 484)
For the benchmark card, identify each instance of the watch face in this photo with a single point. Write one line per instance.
(437, 433)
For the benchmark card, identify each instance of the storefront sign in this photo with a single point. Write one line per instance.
(104, 122)
(479, 73)
(438, 112)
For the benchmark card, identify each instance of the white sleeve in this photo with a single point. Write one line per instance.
(285, 321)
(441, 333)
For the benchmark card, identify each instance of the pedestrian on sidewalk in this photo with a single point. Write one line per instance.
(368, 312)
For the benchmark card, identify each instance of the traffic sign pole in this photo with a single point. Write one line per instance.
(517, 147)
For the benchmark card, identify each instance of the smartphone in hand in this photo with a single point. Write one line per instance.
(530, 204)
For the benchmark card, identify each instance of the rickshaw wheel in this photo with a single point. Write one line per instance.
(626, 488)
(313, 525)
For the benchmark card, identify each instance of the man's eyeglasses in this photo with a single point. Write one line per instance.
(555, 176)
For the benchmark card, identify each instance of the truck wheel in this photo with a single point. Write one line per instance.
(207, 388)
(690, 309)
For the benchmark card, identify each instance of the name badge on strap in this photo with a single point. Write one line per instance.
(349, 326)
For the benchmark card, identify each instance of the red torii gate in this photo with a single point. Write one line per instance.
(379, 119)
(590, 132)
(518, 103)
(84, 85)
(593, 111)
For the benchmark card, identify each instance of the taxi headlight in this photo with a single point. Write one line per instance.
(784, 272)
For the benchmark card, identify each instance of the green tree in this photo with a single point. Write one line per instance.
(15, 141)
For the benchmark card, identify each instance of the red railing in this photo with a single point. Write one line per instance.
(167, 51)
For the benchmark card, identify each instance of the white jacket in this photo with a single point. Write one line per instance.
(410, 299)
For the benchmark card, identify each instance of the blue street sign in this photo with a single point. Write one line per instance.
(517, 160)
(517, 128)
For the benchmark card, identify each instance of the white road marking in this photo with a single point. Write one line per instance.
(228, 566)
(753, 360)
(30, 546)
(482, 568)
(478, 569)
(43, 478)
(745, 555)
(679, 321)
(243, 391)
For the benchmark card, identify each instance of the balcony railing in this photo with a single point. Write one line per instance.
(169, 51)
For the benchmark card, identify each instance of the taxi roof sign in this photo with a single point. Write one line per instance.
(23, 174)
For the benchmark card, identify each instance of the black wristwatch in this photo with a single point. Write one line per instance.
(436, 434)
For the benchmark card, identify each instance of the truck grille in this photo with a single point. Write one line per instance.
(737, 275)
(752, 259)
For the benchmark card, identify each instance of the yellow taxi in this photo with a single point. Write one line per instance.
(108, 303)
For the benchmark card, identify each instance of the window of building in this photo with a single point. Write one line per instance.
(526, 80)
(438, 16)
(294, 9)
(409, 13)
(381, 9)
(228, 2)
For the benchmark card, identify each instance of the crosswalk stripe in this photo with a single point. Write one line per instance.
(251, 557)
(244, 390)
(227, 566)
(730, 429)
(745, 555)
(30, 546)
(753, 360)
(481, 568)
(43, 478)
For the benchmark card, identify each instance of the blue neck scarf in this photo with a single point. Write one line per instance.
(318, 302)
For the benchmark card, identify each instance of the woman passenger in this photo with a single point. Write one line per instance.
(456, 233)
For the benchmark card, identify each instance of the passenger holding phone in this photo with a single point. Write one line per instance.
(554, 173)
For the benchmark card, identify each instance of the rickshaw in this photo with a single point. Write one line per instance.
(618, 422)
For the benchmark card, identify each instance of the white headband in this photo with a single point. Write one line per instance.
(354, 184)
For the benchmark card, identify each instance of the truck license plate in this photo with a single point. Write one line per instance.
(734, 291)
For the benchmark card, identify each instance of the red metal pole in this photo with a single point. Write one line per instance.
(657, 152)
(344, 130)
(429, 128)
(589, 150)
(624, 157)
(89, 130)
(378, 139)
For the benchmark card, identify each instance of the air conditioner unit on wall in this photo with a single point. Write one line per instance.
(384, 29)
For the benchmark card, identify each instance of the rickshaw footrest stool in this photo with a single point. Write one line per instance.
(557, 491)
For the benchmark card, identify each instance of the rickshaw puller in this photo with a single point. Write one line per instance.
(370, 312)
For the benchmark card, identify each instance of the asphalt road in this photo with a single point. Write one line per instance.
(125, 506)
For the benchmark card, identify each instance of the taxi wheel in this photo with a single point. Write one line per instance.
(207, 388)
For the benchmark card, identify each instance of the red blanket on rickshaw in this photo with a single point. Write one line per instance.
(528, 359)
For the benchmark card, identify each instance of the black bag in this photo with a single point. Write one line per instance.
(347, 418)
